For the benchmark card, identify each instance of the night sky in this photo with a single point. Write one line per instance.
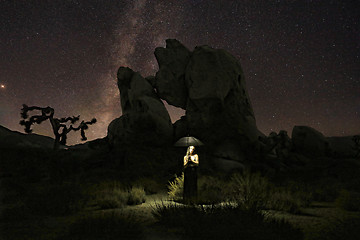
(300, 58)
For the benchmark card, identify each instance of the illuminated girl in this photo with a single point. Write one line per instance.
(191, 162)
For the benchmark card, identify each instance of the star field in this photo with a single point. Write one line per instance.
(300, 58)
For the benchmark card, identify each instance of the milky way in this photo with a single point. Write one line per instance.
(300, 58)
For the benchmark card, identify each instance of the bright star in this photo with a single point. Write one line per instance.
(2, 86)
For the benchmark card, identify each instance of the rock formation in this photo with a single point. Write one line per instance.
(343, 147)
(170, 79)
(145, 119)
(209, 83)
(309, 141)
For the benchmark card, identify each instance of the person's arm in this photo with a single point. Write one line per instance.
(186, 159)
(196, 159)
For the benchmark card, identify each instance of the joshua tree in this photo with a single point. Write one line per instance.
(56, 123)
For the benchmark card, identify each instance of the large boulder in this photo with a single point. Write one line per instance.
(342, 146)
(218, 105)
(181, 128)
(170, 79)
(309, 142)
(145, 119)
(209, 83)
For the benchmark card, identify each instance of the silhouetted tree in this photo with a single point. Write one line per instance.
(57, 124)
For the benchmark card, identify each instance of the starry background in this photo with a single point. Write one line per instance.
(300, 58)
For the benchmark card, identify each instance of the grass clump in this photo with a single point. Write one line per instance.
(348, 200)
(176, 188)
(109, 195)
(284, 200)
(150, 185)
(211, 190)
(250, 190)
(223, 222)
(117, 199)
(136, 196)
(111, 226)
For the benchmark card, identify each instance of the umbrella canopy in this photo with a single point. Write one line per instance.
(188, 141)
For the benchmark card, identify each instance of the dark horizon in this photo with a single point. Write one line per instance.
(300, 59)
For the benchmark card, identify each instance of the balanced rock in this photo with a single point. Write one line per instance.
(145, 118)
(309, 141)
(170, 79)
(218, 104)
(209, 83)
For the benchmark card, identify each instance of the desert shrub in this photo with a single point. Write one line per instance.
(348, 200)
(284, 200)
(113, 194)
(150, 185)
(56, 200)
(113, 201)
(325, 191)
(176, 188)
(109, 194)
(109, 225)
(250, 190)
(136, 196)
(300, 191)
(223, 222)
(212, 190)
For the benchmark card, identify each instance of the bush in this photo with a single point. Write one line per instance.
(176, 188)
(223, 222)
(111, 226)
(212, 190)
(250, 190)
(348, 200)
(284, 200)
(114, 195)
(113, 201)
(150, 185)
(136, 196)
(109, 194)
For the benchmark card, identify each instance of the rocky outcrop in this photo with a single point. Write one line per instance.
(342, 146)
(14, 139)
(209, 83)
(309, 141)
(145, 119)
(170, 79)
(218, 105)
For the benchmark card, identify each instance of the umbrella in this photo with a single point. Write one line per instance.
(188, 141)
